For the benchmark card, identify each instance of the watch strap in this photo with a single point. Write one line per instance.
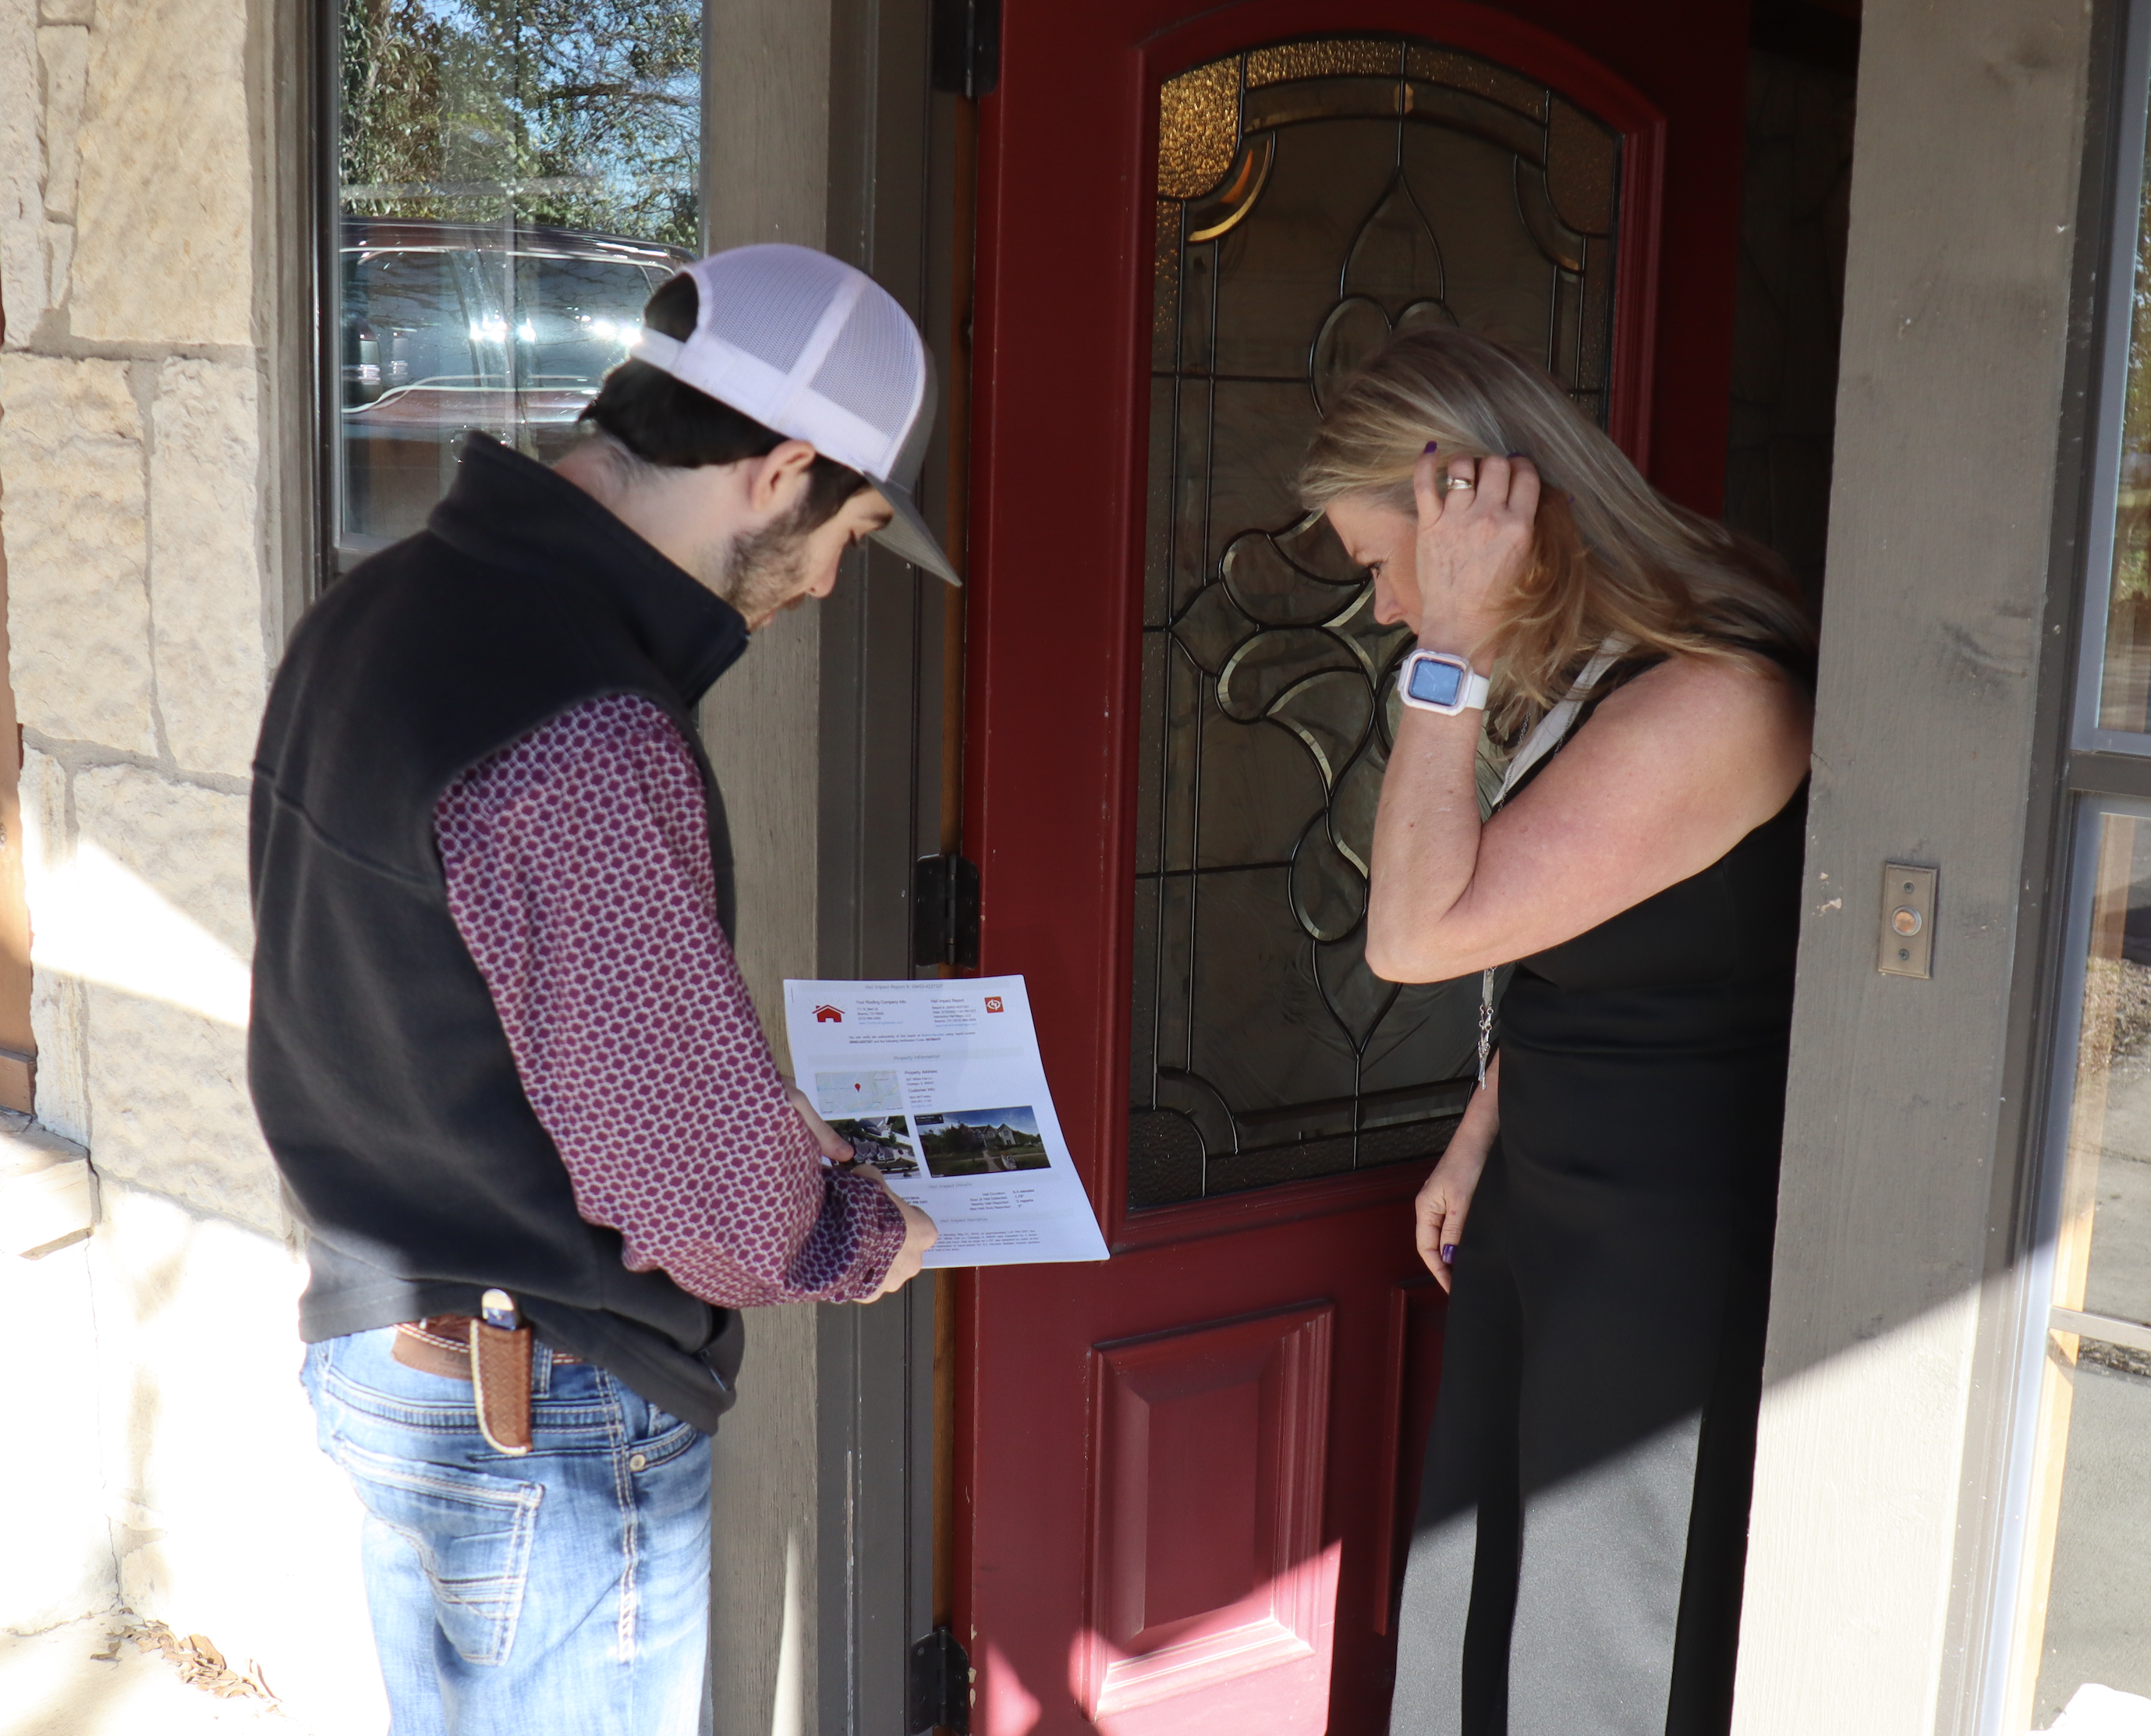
(1471, 690)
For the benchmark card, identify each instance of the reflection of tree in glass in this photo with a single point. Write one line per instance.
(599, 101)
(2125, 690)
(2132, 552)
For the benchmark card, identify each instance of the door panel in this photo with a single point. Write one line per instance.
(1411, 1378)
(1188, 230)
(1207, 1566)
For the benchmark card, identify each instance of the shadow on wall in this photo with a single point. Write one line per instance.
(224, 1517)
(1795, 212)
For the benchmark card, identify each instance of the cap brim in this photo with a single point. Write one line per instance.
(907, 535)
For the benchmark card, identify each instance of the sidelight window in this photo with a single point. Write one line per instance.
(1312, 197)
(512, 180)
(2080, 1612)
(2073, 1623)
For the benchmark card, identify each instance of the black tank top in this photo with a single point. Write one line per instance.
(1653, 1047)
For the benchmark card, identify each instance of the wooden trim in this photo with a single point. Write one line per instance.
(2080, 1157)
(1906, 1098)
(2103, 1328)
(1389, 1462)
(19, 1045)
(1630, 396)
(1288, 1203)
(2111, 774)
(950, 1293)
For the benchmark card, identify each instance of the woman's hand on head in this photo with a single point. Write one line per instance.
(1672, 771)
(1475, 528)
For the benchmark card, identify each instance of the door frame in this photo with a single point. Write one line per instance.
(827, 131)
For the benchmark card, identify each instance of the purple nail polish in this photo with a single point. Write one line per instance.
(1432, 448)
(1448, 1253)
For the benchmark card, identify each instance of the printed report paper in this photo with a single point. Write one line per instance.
(940, 1084)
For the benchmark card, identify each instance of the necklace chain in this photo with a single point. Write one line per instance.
(1486, 1019)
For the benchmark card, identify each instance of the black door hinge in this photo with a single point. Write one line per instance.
(940, 1685)
(945, 912)
(967, 46)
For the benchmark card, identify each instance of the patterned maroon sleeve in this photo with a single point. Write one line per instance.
(578, 874)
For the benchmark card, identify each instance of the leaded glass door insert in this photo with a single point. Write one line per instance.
(1312, 197)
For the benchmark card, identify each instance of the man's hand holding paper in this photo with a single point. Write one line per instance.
(942, 1082)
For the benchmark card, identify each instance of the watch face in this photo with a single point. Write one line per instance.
(1434, 683)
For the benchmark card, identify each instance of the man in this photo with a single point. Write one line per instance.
(500, 1047)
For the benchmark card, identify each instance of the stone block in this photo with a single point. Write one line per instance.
(205, 564)
(158, 920)
(22, 171)
(57, 1011)
(187, 843)
(165, 243)
(72, 513)
(68, 11)
(59, 259)
(64, 58)
(168, 1097)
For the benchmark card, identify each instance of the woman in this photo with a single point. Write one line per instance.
(1602, 1217)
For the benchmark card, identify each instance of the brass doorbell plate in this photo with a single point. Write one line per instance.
(1907, 942)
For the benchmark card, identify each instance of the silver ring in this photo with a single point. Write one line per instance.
(1458, 481)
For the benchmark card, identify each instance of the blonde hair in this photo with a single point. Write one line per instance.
(1611, 555)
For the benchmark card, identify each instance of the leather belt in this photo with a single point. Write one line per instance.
(496, 1360)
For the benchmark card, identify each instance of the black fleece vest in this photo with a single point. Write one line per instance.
(378, 1066)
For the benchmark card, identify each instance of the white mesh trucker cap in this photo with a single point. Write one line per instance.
(818, 352)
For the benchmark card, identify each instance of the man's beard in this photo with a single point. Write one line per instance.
(759, 571)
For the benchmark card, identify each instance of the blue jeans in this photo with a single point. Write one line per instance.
(566, 1591)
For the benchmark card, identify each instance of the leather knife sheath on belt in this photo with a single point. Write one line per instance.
(494, 1356)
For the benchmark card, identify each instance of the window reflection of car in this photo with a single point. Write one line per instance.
(889, 1161)
(448, 327)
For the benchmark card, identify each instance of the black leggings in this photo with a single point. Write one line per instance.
(1576, 1567)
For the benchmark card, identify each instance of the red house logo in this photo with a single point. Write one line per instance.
(828, 1015)
(993, 1003)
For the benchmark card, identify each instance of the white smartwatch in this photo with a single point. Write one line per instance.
(1440, 681)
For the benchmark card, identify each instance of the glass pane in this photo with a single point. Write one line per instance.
(2124, 700)
(1313, 198)
(2086, 1612)
(515, 177)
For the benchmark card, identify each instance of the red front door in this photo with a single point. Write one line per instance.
(1183, 1477)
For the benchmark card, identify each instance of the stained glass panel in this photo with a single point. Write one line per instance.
(1312, 197)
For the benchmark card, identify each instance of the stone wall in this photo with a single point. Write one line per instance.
(142, 599)
(130, 490)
